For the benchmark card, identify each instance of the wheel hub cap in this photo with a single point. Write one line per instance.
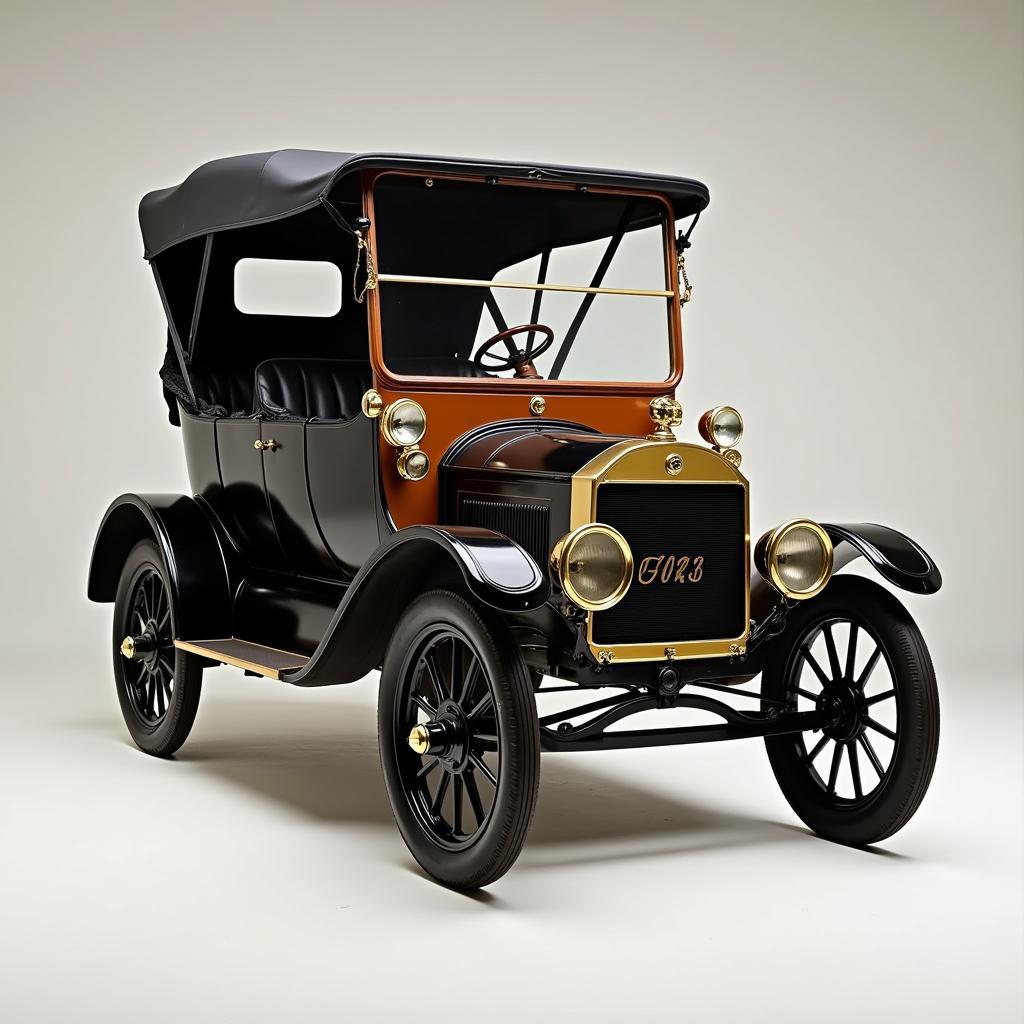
(144, 647)
(444, 736)
(843, 704)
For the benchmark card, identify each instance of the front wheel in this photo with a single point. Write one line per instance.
(459, 740)
(857, 656)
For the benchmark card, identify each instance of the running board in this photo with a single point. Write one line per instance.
(264, 661)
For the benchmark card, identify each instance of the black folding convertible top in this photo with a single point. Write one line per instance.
(241, 191)
(292, 204)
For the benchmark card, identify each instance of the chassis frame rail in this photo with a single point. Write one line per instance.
(558, 733)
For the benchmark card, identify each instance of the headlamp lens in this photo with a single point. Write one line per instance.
(595, 566)
(405, 423)
(796, 558)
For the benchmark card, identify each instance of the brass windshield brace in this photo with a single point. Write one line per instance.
(530, 286)
(363, 252)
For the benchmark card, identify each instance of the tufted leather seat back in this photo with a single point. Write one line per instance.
(307, 389)
(223, 387)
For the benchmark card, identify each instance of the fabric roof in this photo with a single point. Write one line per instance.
(240, 191)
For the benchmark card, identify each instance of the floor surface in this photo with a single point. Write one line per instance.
(259, 877)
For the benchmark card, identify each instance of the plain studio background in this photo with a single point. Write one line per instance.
(857, 295)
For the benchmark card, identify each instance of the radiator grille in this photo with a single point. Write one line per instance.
(527, 523)
(672, 602)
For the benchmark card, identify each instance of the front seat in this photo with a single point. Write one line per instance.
(311, 389)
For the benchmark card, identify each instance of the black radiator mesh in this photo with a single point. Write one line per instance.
(663, 521)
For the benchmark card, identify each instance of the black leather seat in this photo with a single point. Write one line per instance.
(311, 389)
(224, 388)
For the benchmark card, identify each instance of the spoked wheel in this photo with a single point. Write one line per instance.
(459, 740)
(856, 656)
(158, 686)
(150, 650)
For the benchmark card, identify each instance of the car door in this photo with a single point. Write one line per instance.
(288, 496)
(243, 504)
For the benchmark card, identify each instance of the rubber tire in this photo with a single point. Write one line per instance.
(894, 803)
(499, 846)
(172, 730)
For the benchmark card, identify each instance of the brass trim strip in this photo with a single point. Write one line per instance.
(644, 461)
(250, 666)
(467, 282)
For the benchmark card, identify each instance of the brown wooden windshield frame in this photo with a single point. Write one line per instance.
(510, 385)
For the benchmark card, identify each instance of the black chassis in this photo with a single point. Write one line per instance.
(346, 624)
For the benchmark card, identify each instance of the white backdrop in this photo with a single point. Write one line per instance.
(857, 277)
(857, 295)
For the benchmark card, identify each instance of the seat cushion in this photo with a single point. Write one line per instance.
(311, 389)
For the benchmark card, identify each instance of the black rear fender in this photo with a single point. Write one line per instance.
(197, 571)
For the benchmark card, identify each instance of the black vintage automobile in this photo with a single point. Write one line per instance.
(461, 468)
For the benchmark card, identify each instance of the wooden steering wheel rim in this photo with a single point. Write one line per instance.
(528, 355)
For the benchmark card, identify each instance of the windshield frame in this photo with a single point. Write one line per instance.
(507, 385)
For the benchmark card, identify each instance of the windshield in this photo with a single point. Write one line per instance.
(461, 264)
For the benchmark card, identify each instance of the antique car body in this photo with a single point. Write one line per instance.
(353, 471)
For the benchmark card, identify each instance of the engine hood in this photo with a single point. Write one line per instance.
(529, 449)
(537, 482)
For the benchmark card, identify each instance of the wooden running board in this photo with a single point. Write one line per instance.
(264, 661)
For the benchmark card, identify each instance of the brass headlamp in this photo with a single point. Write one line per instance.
(402, 425)
(593, 565)
(795, 558)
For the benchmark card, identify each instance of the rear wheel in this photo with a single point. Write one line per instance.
(459, 741)
(158, 686)
(857, 655)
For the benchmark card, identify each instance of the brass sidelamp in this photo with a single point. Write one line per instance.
(402, 425)
(722, 428)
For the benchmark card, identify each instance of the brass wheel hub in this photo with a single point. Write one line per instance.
(444, 736)
(143, 647)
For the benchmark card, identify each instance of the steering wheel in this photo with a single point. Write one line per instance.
(521, 361)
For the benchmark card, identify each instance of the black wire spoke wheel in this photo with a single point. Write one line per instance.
(855, 656)
(150, 672)
(459, 740)
(158, 686)
(841, 671)
(452, 779)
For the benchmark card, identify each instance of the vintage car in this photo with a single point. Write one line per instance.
(461, 467)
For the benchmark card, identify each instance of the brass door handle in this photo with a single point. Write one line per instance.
(270, 445)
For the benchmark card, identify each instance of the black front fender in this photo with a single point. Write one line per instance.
(494, 569)
(898, 559)
(197, 572)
